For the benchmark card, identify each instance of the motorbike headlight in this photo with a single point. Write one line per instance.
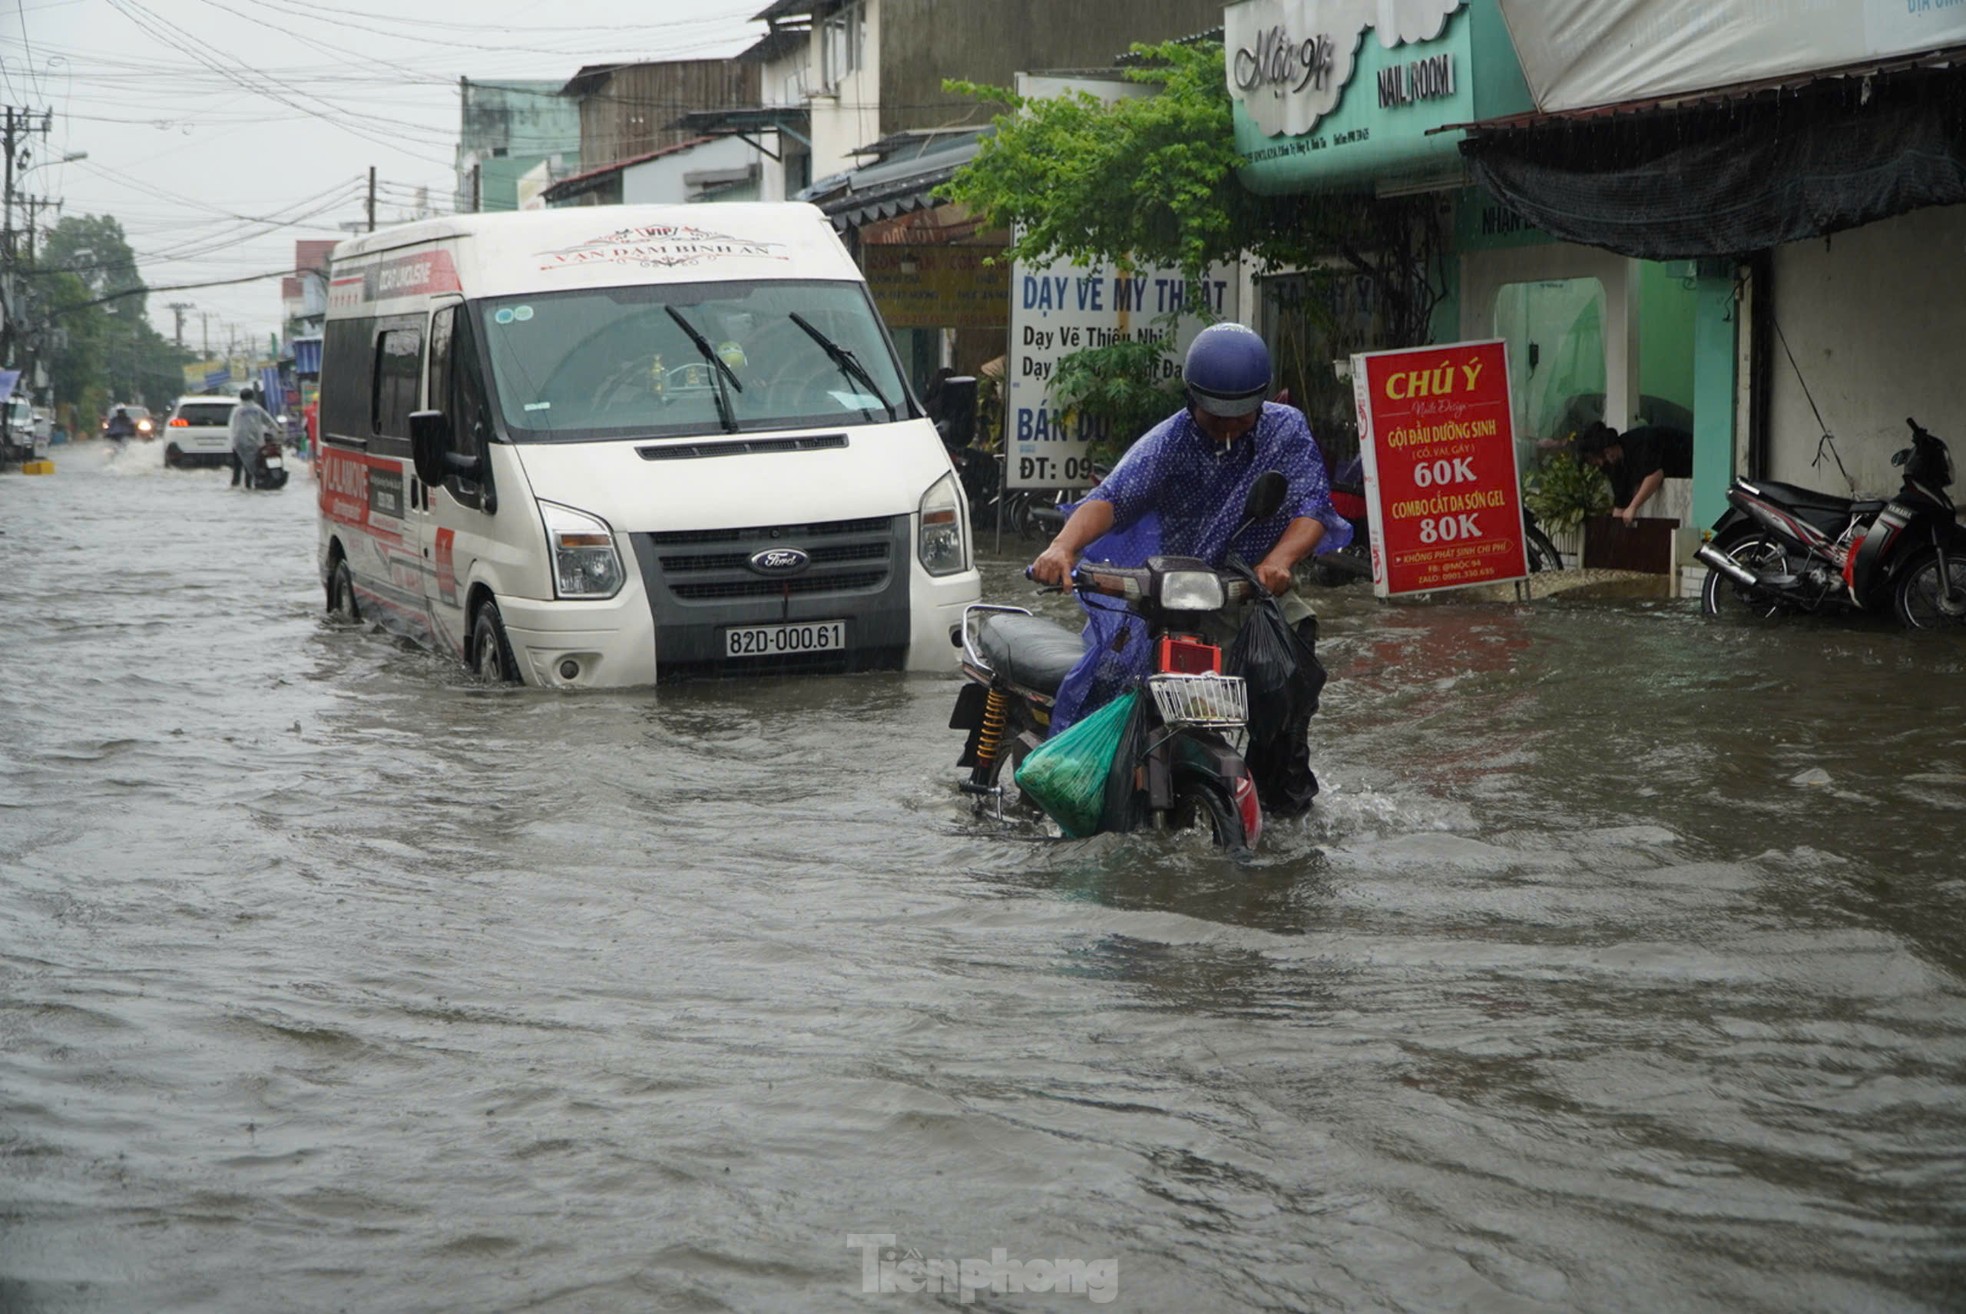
(943, 546)
(1192, 590)
(585, 562)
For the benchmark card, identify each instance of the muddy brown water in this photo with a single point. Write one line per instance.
(1619, 968)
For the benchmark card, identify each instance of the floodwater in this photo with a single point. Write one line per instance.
(1619, 968)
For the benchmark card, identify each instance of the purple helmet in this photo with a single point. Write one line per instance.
(1228, 370)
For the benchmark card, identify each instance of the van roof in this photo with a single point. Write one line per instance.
(590, 246)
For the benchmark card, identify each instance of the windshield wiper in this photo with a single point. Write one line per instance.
(718, 375)
(848, 362)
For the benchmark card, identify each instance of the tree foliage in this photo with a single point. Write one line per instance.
(1151, 180)
(1147, 179)
(86, 303)
(1121, 385)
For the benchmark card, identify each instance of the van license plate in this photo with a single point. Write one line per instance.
(780, 640)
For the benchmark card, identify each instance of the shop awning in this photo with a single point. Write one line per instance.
(1729, 171)
(902, 183)
(748, 122)
(307, 355)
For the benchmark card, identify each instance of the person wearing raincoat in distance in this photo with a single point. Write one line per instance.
(121, 428)
(251, 426)
(1180, 491)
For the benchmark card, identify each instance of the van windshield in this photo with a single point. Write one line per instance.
(621, 362)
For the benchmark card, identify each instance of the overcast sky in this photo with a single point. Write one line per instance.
(218, 131)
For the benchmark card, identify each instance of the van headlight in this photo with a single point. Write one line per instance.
(943, 547)
(585, 563)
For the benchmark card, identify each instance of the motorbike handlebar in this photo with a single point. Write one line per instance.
(1137, 582)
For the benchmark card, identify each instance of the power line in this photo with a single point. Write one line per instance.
(163, 30)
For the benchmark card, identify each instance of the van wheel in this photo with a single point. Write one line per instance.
(341, 593)
(491, 651)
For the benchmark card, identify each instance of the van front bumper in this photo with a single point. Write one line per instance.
(639, 636)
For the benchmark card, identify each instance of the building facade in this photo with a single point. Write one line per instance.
(507, 128)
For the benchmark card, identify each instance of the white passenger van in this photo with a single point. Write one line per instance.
(599, 446)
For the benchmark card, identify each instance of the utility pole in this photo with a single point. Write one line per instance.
(371, 196)
(177, 309)
(205, 318)
(34, 205)
(15, 127)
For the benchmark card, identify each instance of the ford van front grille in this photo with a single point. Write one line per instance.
(702, 582)
(856, 581)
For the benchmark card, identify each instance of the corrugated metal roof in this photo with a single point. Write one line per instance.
(743, 118)
(896, 185)
(577, 183)
(787, 9)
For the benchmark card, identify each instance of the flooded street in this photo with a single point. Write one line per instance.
(1618, 968)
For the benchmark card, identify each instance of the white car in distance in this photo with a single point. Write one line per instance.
(199, 432)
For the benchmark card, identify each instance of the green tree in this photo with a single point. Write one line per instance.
(88, 310)
(1144, 180)
(1152, 180)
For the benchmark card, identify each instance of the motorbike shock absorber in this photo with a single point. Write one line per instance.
(989, 743)
(996, 715)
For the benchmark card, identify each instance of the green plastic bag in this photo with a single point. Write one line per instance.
(1067, 775)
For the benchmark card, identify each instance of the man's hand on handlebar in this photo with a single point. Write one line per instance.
(1275, 578)
(1054, 567)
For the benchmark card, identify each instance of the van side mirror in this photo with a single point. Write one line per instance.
(430, 441)
(430, 449)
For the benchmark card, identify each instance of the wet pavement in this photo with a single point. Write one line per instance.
(1619, 968)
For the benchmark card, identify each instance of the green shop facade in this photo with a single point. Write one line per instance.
(1332, 98)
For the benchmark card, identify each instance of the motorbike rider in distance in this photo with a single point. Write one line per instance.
(1179, 490)
(121, 428)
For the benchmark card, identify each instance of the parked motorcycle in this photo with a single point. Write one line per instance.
(1186, 767)
(1780, 548)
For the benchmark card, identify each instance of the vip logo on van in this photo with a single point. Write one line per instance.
(655, 246)
(779, 561)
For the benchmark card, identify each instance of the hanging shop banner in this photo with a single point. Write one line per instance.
(932, 287)
(1443, 495)
(1578, 53)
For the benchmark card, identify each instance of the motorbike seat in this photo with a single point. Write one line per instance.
(1028, 650)
(1809, 499)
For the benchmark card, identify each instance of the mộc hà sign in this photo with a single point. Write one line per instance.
(1289, 61)
(1061, 308)
(1442, 491)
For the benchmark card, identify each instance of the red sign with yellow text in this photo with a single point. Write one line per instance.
(1437, 439)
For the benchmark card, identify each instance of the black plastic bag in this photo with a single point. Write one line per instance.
(1284, 677)
(1123, 804)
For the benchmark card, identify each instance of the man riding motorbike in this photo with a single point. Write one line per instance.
(251, 426)
(1180, 491)
(121, 428)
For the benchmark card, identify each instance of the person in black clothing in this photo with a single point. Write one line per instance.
(120, 429)
(1636, 461)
